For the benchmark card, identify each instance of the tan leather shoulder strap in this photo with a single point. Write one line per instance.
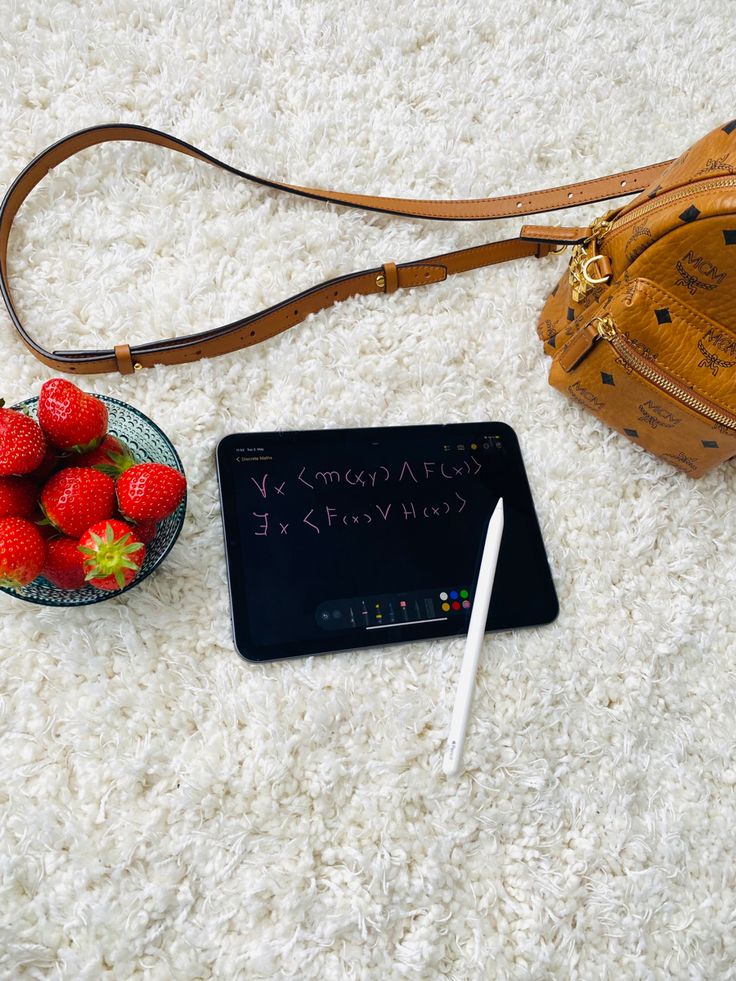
(257, 327)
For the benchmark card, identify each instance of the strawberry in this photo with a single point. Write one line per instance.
(112, 555)
(112, 457)
(22, 552)
(146, 531)
(22, 444)
(51, 462)
(18, 497)
(70, 418)
(64, 563)
(76, 498)
(149, 491)
(44, 526)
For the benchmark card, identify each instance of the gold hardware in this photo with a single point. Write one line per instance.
(599, 226)
(558, 248)
(593, 280)
(137, 366)
(580, 279)
(605, 327)
(578, 284)
(380, 280)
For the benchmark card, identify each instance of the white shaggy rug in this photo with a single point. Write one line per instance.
(170, 811)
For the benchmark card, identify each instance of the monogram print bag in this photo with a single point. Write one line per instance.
(641, 328)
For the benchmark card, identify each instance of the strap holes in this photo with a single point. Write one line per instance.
(519, 204)
(570, 196)
(252, 333)
(623, 183)
(296, 313)
(335, 293)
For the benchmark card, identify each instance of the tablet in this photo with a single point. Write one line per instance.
(339, 539)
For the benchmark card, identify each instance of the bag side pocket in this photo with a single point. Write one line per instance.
(631, 365)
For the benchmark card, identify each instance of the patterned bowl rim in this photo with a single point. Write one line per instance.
(181, 511)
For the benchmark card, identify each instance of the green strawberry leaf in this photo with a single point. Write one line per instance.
(86, 447)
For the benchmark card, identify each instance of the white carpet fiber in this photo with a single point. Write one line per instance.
(170, 811)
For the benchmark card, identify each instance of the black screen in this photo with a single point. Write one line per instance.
(338, 539)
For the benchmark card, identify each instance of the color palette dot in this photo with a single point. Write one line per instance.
(466, 604)
(456, 605)
(453, 594)
(443, 596)
(446, 607)
(463, 594)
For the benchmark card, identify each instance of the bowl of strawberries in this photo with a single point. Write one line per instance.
(92, 496)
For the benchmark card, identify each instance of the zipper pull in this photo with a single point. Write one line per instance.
(605, 327)
(582, 341)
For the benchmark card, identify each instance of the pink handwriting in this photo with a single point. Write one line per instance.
(262, 486)
(371, 478)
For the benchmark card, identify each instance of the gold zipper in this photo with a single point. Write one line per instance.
(606, 328)
(637, 213)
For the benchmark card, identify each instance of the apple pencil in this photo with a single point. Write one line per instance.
(476, 632)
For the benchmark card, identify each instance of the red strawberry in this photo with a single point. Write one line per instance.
(70, 418)
(112, 457)
(146, 531)
(63, 566)
(150, 491)
(76, 498)
(22, 552)
(112, 555)
(46, 529)
(52, 461)
(22, 444)
(18, 497)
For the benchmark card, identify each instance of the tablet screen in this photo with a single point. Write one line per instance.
(340, 539)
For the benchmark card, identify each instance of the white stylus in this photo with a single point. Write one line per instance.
(474, 642)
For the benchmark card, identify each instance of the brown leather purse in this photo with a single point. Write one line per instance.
(641, 328)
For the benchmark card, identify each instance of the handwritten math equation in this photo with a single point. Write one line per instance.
(286, 502)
